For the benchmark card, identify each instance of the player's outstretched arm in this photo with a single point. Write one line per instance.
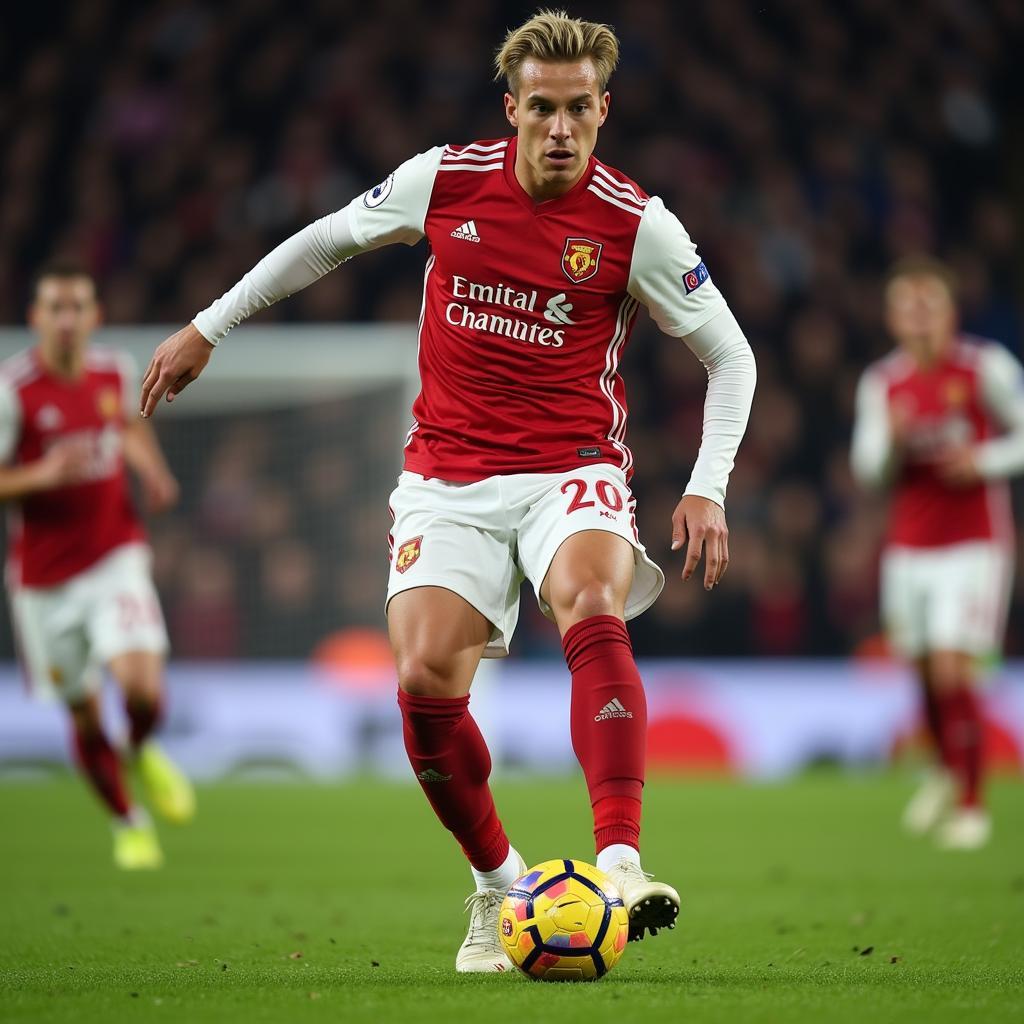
(293, 265)
(393, 211)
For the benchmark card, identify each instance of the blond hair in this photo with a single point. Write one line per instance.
(922, 265)
(553, 35)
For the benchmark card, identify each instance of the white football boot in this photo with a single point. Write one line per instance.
(651, 905)
(482, 952)
(928, 806)
(966, 828)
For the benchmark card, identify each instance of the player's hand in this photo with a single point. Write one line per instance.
(175, 364)
(66, 462)
(159, 492)
(958, 467)
(700, 524)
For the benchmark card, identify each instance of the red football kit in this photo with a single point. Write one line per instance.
(54, 535)
(945, 405)
(946, 571)
(528, 306)
(526, 310)
(518, 438)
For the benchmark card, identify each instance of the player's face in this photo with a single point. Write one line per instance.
(63, 315)
(557, 113)
(920, 314)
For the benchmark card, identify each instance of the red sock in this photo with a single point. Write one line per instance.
(609, 725)
(931, 708)
(102, 767)
(962, 732)
(144, 714)
(452, 763)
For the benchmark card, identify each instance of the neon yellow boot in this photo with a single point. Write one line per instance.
(136, 847)
(169, 791)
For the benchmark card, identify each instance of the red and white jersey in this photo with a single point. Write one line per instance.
(974, 396)
(526, 310)
(527, 307)
(53, 535)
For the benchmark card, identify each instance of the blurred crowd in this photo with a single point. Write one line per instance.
(805, 146)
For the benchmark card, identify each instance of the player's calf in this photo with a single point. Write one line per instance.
(98, 761)
(144, 712)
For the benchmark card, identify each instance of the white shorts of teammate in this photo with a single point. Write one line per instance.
(953, 598)
(67, 633)
(481, 539)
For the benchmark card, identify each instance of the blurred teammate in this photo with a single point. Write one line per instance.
(941, 422)
(516, 464)
(78, 577)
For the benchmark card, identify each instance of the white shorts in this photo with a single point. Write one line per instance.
(66, 633)
(482, 539)
(951, 598)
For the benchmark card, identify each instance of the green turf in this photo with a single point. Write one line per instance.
(288, 902)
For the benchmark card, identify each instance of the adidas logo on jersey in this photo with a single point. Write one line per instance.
(613, 709)
(431, 775)
(467, 232)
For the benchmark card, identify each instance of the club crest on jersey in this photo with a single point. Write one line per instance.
(107, 404)
(956, 393)
(408, 553)
(580, 259)
(693, 279)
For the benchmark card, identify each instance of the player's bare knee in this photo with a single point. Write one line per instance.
(424, 676)
(139, 675)
(140, 688)
(595, 597)
(948, 670)
(85, 717)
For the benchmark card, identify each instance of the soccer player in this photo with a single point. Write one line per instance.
(80, 591)
(516, 464)
(940, 421)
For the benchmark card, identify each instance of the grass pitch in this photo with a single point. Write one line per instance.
(294, 903)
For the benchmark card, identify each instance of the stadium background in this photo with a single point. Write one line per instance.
(168, 146)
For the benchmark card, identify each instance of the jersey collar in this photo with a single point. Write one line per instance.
(549, 205)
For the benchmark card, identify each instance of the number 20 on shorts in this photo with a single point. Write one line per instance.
(608, 494)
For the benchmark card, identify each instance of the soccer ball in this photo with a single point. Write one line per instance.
(564, 920)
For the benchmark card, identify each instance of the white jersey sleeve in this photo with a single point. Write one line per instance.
(10, 421)
(871, 451)
(670, 279)
(393, 211)
(1002, 390)
(732, 374)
